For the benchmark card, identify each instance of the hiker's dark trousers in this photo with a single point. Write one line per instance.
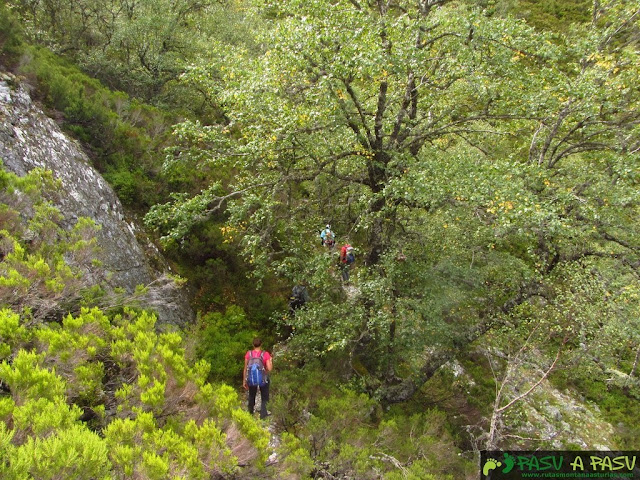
(345, 272)
(264, 398)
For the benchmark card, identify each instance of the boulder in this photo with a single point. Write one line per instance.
(30, 139)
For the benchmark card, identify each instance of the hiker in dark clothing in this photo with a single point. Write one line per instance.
(299, 297)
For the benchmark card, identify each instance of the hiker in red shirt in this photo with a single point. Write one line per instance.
(347, 257)
(264, 362)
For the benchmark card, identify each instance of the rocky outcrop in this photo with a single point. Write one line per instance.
(544, 418)
(30, 139)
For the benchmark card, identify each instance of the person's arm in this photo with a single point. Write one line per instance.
(269, 365)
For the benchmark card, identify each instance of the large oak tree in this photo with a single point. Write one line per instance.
(476, 164)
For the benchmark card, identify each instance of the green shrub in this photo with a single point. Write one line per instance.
(11, 36)
(223, 339)
(27, 378)
(170, 422)
(139, 447)
(74, 453)
(296, 460)
(41, 417)
(126, 138)
(12, 333)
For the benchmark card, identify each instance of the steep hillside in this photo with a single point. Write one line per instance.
(29, 139)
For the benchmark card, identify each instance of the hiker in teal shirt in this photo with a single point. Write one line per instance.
(327, 237)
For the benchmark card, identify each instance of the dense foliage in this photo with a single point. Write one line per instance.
(90, 394)
(486, 172)
(482, 157)
(106, 393)
(139, 47)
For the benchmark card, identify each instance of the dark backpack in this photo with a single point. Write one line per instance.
(299, 292)
(256, 375)
(299, 297)
(350, 258)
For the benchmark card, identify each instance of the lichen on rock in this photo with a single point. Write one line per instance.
(30, 139)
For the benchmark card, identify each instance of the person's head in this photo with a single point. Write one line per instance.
(328, 227)
(257, 342)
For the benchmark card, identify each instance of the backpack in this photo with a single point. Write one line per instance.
(328, 238)
(256, 375)
(300, 295)
(350, 258)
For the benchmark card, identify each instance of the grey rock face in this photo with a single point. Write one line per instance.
(30, 139)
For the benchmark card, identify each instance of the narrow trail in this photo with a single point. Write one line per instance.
(270, 426)
(351, 291)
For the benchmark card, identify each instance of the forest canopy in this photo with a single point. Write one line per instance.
(500, 161)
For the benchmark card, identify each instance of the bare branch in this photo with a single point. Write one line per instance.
(361, 111)
(219, 202)
(382, 105)
(533, 387)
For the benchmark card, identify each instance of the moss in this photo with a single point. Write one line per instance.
(481, 389)
(617, 406)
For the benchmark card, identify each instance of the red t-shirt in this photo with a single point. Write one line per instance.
(256, 353)
(343, 253)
